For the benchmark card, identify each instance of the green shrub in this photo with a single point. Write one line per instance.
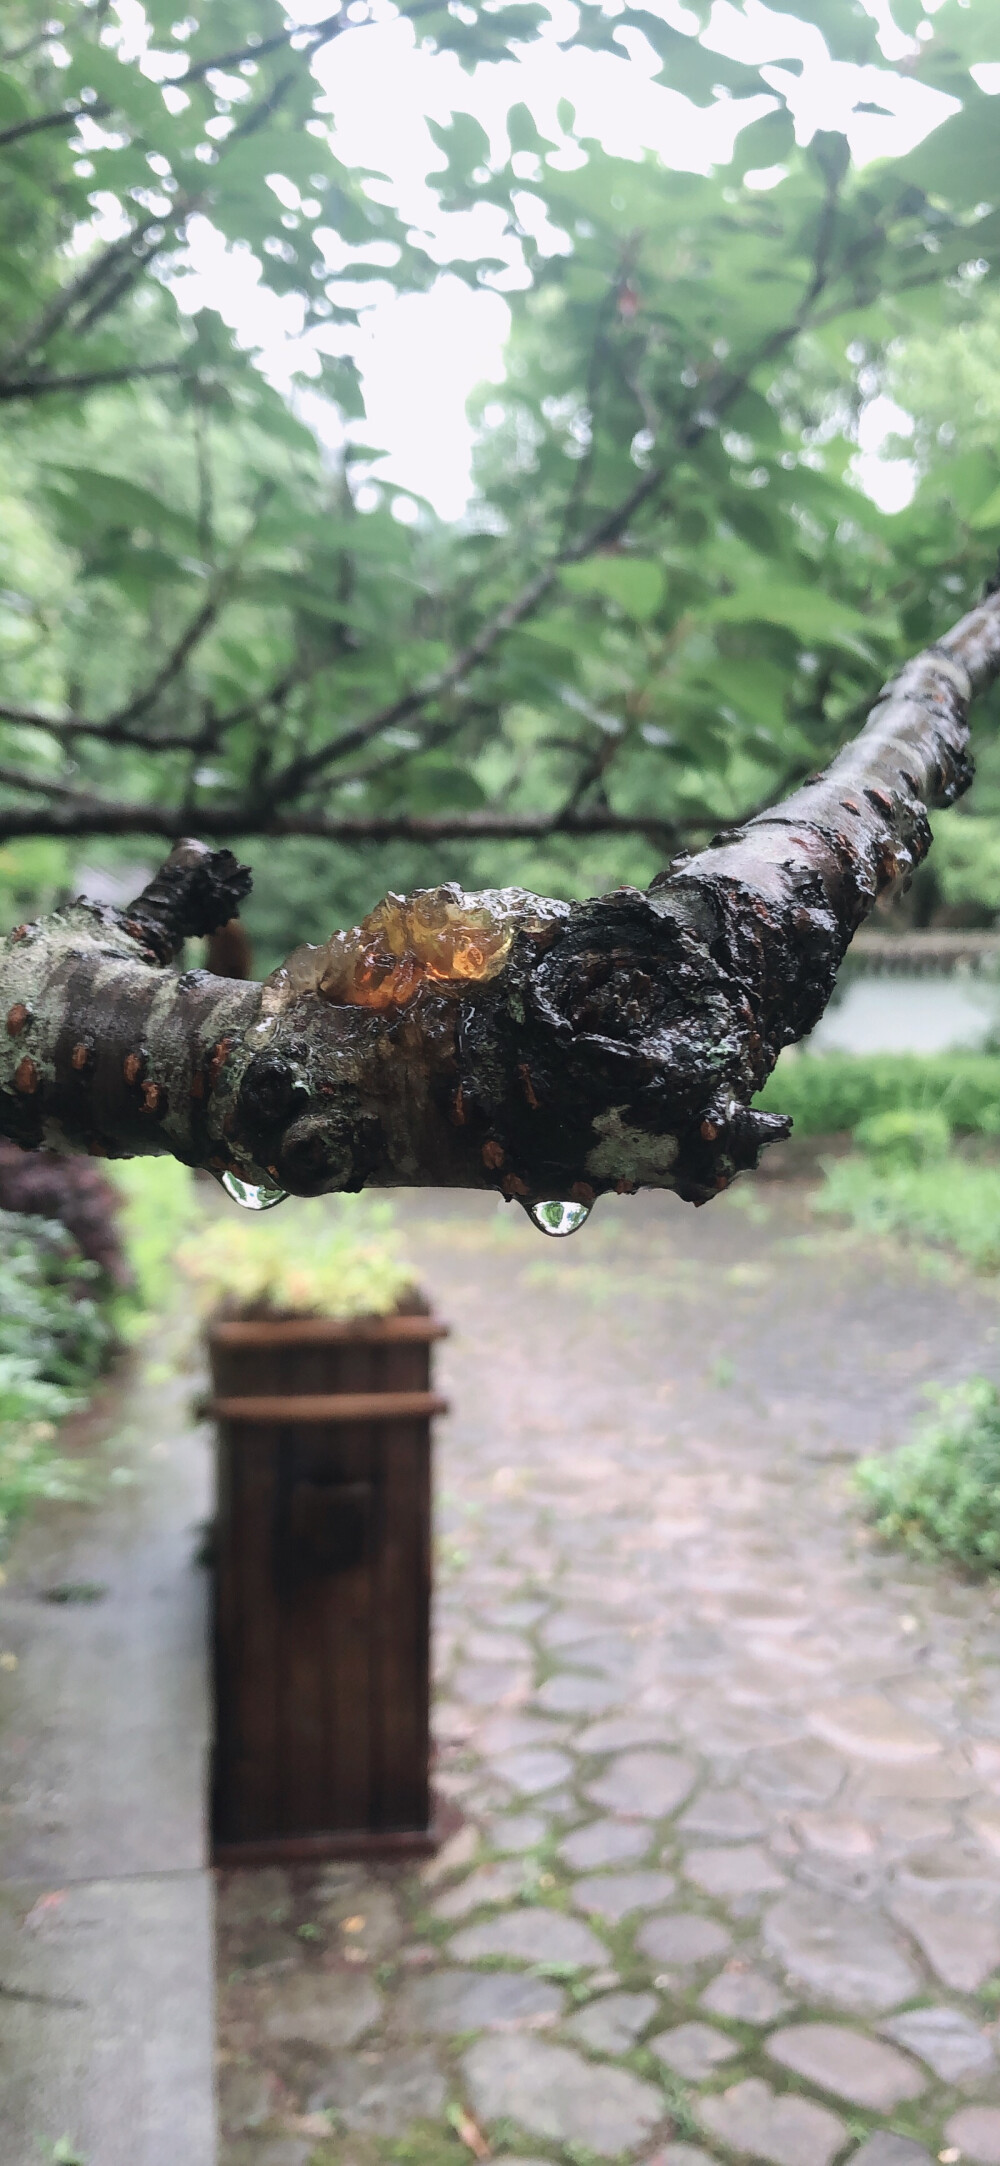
(29, 1464)
(940, 1494)
(49, 1318)
(826, 1093)
(906, 1138)
(54, 1339)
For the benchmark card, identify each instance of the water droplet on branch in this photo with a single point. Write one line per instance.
(558, 1218)
(252, 1197)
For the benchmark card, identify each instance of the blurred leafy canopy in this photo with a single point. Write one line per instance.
(669, 599)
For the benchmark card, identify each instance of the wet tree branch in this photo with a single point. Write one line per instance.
(501, 1041)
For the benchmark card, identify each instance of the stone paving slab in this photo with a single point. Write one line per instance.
(754, 2123)
(955, 2048)
(552, 2091)
(975, 2134)
(727, 1883)
(858, 2069)
(613, 2023)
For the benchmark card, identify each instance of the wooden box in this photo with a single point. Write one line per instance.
(322, 1596)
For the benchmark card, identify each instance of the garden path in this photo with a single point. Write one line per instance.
(727, 1885)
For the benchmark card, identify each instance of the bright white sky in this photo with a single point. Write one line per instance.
(421, 357)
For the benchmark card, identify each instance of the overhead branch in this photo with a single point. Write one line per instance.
(113, 270)
(37, 387)
(102, 265)
(83, 813)
(20, 778)
(202, 621)
(502, 1041)
(64, 728)
(143, 701)
(114, 729)
(310, 36)
(298, 774)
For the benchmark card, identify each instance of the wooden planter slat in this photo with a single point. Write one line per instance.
(330, 1406)
(326, 1330)
(323, 1587)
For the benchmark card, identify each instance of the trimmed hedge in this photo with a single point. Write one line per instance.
(828, 1092)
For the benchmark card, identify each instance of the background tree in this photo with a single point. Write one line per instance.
(669, 600)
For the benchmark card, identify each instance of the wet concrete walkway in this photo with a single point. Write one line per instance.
(728, 1884)
(106, 1934)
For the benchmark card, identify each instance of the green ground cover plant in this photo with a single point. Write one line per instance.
(939, 1495)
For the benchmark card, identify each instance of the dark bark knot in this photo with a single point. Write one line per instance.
(194, 893)
(270, 1094)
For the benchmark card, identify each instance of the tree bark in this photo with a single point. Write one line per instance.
(502, 1041)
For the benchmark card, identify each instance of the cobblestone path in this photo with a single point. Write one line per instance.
(727, 1885)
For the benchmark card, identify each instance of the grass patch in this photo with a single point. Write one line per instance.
(678, 2105)
(939, 1495)
(950, 1201)
(160, 1204)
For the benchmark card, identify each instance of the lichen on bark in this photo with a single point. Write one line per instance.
(502, 1041)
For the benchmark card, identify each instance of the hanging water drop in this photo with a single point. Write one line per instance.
(559, 1218)
(252, 1196)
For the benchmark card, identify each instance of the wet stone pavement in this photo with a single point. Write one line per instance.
(725, 1777)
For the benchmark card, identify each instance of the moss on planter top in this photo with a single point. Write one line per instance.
(338, 1258)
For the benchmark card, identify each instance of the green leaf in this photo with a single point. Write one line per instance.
(436, 783)
(988, 515)
(689, 66)
(765, 142)
(464, 142)
(523, 132)
(637, 584)
(961, 159)
(125, 89)
(753, 687)
(846, 25)
(810, 614)
(13, 103)
(117, 501)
